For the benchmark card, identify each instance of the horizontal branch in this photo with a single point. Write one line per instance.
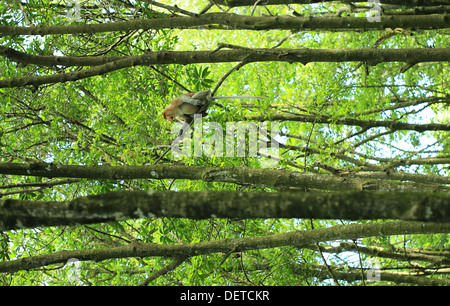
(105, 65)
(366, 124)
(354, 274)
(295, 238)
(122, 205)
(259, 177)
(402, 176)
(233, 21)
(236, 3)
(369, 55)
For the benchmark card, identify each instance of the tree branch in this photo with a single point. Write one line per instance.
(295, 238)
(107, 64)
(122, 205)
(233, 22)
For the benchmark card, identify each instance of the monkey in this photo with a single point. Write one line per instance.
(185, 106)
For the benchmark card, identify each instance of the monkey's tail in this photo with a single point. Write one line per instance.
(239, 97)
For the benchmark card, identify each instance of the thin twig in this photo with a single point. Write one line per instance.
(235, 68)
(324, 260)
(175, 263)
(171, 8)
(206, 8)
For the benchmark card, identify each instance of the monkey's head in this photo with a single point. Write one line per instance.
(167, 116)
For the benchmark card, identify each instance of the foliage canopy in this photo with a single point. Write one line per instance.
(360, 179)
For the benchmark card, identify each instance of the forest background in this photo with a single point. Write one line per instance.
(91, 194)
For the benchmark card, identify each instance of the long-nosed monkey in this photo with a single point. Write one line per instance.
(185, 106)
